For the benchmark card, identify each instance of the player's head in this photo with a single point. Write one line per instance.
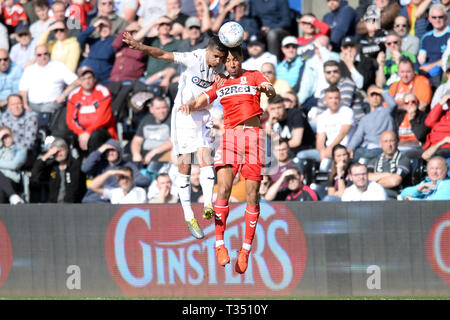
(216, 52)
(233, 63)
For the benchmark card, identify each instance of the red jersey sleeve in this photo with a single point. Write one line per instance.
(211, 94)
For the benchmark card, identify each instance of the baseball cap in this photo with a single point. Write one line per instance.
(193, 22)
(22, 28)
(256, 40)
(349, 41)
(83, 70)
(289, 40)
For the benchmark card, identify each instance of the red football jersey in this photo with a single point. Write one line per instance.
(239, 97)
(14, 15)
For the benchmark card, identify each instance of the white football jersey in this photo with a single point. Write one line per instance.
(197, 76)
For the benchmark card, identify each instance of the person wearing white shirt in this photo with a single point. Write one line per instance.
(126, 193)
(258, 55)
(363, 189)
(38, 27)
(43, 84)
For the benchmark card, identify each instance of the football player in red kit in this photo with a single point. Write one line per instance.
(241, 148)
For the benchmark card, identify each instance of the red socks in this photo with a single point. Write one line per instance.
(251, 220)
(222, 210)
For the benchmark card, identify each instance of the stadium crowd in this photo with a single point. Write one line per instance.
(361, 112)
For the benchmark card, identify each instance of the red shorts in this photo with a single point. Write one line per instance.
(243, 149)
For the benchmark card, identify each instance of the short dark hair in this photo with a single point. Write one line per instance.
(127, 168)
(331, 89)
(215, 44)
(331, 63)
(276, 99)
(236, 51)
(41, 4)
(405, 59)
(356, 164)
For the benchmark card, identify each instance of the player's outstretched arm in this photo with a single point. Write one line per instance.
(199, 103)
(151, 51)
(268, 89)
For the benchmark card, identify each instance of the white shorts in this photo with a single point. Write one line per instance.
(191, 132)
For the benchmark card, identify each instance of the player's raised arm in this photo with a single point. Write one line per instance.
(199, 103)
(151, 51)
(268, 89)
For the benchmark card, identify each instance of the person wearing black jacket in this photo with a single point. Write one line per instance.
(410, 124)
(67, 183)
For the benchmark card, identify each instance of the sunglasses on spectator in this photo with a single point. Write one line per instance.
(122, 177)
(290, 46)
(23, 34)
(437, 17)
(391, 43)
(332, 71)
(60, 30)
(4, 59)
(268, 72)
(164, 24)
(373, 94)
(42, 54)
(400, 25)
(411, 101)
(105, 3)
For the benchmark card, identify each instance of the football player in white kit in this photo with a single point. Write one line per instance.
(192, 133)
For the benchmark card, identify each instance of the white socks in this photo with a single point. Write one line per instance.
(207, 183)
(184, 194)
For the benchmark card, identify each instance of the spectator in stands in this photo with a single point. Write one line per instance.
(164, 185)
(411, 82)
(410, 43)
(10, 75)
(436, 186)
(58, 10)
(89, 112)
(372, 40)
(129, 65)
(173, 11)
(295, 190)
(283, 160)
(433, 44)
(342, 20)
(67, 183)
(128, 10)
(264, 187)
(446, 4)
(281, 86)
(64, 49)
(355, 66)
(389, 67)
(410, 126)
(195, 38)
(349, 97)
(22, 122)
(362, 188)
(416, 13)
(106, 11)
(339, 178)
(438, 120)
(289, 124)
(37, 28)
(4, 38)
(152, 138)
(109, 157)
(364, 143)
(309, 26)
(22, 53)
(235, 10)
(13, 13)
(388, 10)
(392, 169)
(274, 21)
(436, 148)
(313, 80)
(149, 11)
(101, 52)
(204, 14)
(29, 10)
(125, 193)
(160, 72)
(48, 94)
(290, 68)
(334, 126)
(12, 158)
(258, 54)
(444, 88)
